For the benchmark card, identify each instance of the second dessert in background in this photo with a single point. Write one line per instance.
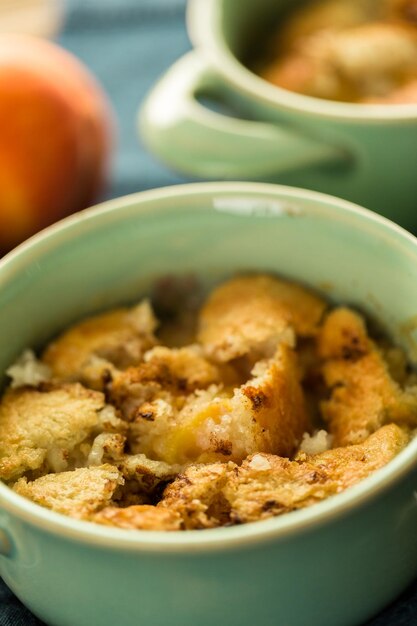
(346, 50)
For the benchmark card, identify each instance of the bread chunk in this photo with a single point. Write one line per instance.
(350, 464)
(106, 448)
(120, 336)
(41, 429)
(254, 314)
(164, 374)
(267, 485)
(139, 517)
(196, 495)
(267, 413)
(78, 493)
(147, 474)
(186, 368)
(363, 395)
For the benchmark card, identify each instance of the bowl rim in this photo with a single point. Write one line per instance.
(278, 528)
(204, 27)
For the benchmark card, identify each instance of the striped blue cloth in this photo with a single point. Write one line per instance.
(128, 44)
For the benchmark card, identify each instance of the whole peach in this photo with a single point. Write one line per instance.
(55, 136)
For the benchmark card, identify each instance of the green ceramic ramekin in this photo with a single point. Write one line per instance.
(334, 564)
(362, 152)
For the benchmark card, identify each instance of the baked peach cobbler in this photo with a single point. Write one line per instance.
(348, 50)
(260, 401)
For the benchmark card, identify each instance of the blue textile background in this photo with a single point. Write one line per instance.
(128, 44)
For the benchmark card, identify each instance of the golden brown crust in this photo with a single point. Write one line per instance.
(363, 394)
(139, 517)
(277, 404)
(267, 414)
(107, 447)
(177, 371)
(146, 475)
(350, 464)
(196, 495)
(41, 429)
(267, 485)
(78, 493)
(186, 368)
(253, 314)
(120, 336)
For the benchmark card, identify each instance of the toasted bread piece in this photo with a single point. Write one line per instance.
(40, 429)
(186, 368)
(120, 336)
(196, 495)
(267, 485)
(97, 373)
(254, 314)
(164, 374)
(139, 517)
(267, 413)
(146, 473)
(107, 448)
(350, 464)
(364, 396)
(78, 493)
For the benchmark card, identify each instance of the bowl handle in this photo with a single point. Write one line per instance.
(6, 544)
(196, 140)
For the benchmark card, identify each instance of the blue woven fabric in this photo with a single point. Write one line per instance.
(128, 44)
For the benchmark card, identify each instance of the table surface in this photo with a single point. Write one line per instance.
(128, 44)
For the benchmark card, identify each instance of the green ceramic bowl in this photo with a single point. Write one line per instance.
(362, 152)
(334, 564)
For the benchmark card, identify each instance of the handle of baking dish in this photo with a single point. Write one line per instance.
(196, 140)
(6, 544)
